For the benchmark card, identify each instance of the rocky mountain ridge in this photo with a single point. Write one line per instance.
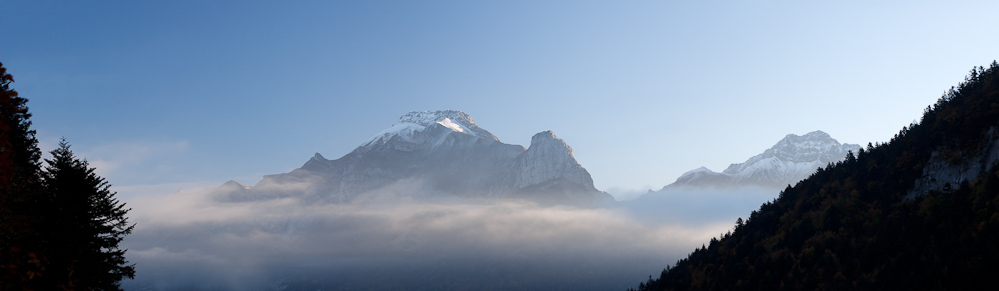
(437, 154)
(792, 159)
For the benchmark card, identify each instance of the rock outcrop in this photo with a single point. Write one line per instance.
(549, 158)
(946, 172)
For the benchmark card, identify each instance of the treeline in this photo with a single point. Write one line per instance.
(852, 226)
(60, 224)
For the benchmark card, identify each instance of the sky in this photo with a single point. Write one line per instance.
(161, 96)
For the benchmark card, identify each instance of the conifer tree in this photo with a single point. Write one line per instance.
(84, 225)
(21, 257)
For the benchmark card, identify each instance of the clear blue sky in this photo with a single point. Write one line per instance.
(180, 93)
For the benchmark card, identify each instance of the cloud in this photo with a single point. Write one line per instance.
(192, 239)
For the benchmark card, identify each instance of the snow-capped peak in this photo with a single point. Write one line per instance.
(427, 118)
(417, 121)
(793, 158)
(811, 147)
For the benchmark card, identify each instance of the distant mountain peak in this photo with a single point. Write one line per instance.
(817, 133)
(233, 185)
(815, 137)
(415, 122)
(702, 169)
(454, 120)
(792, 159)
(427, 118)
(816, 146)
(547, 133)
(548, 137)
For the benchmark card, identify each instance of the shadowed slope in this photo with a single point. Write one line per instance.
(873, 221)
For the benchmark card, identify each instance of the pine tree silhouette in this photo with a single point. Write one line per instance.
(85, 223)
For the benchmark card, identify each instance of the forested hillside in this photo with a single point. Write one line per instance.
(919, 212)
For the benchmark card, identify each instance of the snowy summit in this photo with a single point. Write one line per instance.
(790, 160)
(419, 121)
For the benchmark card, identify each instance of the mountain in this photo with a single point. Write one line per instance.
(787, 162)
(436, 154)
(919, 212)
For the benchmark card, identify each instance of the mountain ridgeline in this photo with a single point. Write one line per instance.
(702, 195)
(433, 154)
(919, 212)
(790, 160)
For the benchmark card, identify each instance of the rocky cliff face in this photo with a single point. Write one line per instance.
(790, 160)
(946, 172)
(438, 153)
(549, 158)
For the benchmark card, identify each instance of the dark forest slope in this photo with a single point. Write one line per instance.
(919, 212)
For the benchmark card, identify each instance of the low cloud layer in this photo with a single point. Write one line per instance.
(189, 240)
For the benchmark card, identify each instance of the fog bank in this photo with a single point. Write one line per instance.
(190, 240)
